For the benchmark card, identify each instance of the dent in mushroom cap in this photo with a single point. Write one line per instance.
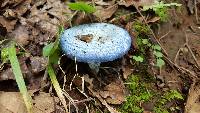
(96, 42)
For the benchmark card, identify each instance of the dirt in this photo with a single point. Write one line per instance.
(33, 24)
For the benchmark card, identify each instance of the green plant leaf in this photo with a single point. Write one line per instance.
(145, 41)
(47, 49)
(156, 47)
(158, 54)
(18, 76)
(81, 6)
(138, 58)
(160, 62)
(52, 50)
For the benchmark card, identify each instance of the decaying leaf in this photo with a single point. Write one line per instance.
(114, 93)
(21, 35)
(128, 3)
(104, 14)
(44, 103)
(193, 102)
(102, 3)
(10, 2)
(8, 24)
(12, 102)
(8, 73)
(38, 64)
(47, 15)
(97, 95)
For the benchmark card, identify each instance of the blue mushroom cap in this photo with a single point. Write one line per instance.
(96, 42)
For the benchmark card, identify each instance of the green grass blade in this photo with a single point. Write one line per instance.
(56, 86)
(19, 78)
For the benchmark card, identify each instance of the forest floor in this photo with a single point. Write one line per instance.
(159, 74)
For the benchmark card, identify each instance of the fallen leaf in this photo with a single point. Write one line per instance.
(7, 74)
(44, 103)
(12, 102)
(102, 3)
(152, 20)
(38, 64)
(47, 15)
(114, 93)
(10, 3)
(21, 35)
(193, 103)
(127, 71)
(97, 95)
(137, 3)
(8, 24)
(104, 14)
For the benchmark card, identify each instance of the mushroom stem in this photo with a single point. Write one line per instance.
(94, 66)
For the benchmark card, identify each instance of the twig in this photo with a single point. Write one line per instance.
(164, 35)
(196, 11)
(71, 100)
(187, 45)
(177, 54)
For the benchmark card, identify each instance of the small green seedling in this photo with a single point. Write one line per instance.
(160, 9)
(138, 58)
(81, 6)
(52, 52)
(158, 55)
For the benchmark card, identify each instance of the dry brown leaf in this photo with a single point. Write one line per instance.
(127, 71)
(10, 2)
(8, 24)
(102, 3)
(152, 20)
(38, 64)
(44, 103)
(47, 15)
(104, 14)
(97, 95)
(21, 35)
(114, 93)
(193, 103)
(137, 3)
(7, 74)
(12, 102)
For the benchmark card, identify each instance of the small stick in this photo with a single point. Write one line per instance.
(164, 35)
(187, 45)
(196, 11)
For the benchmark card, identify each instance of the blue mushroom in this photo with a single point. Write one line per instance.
(95, 43)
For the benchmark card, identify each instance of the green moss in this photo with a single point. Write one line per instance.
(138, 93)
(141, 91)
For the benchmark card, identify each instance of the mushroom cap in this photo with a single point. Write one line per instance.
(96, 42)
